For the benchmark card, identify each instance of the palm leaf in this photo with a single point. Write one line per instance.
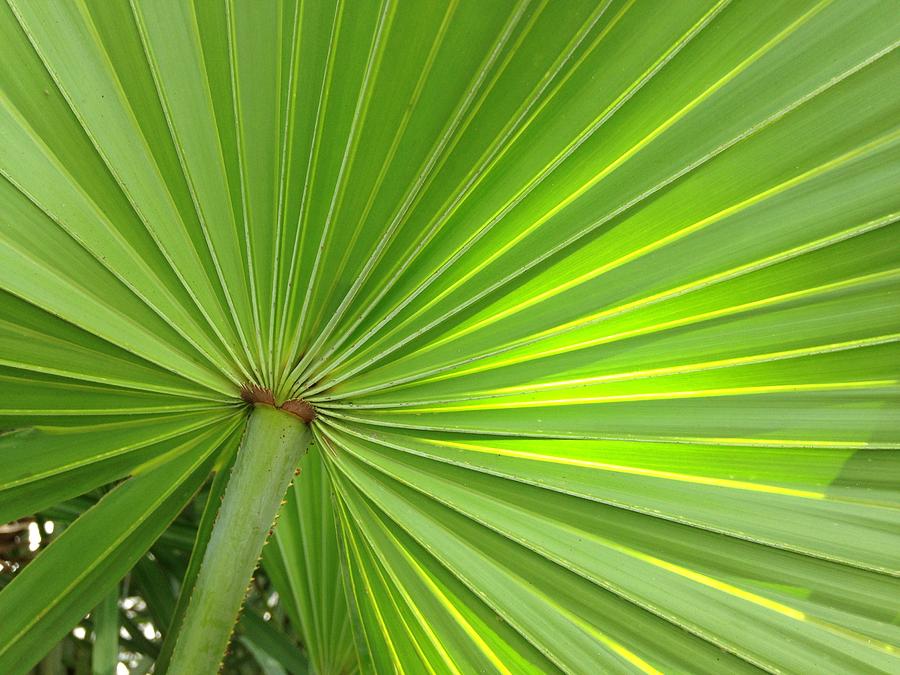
(591, 309)
(302, 559)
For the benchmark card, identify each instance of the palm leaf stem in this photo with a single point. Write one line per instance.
(264, 467)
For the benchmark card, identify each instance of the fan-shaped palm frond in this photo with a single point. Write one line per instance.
(589, 311)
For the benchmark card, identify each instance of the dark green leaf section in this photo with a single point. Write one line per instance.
(273, 643)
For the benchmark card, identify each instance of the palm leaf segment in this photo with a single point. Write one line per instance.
(595, 302)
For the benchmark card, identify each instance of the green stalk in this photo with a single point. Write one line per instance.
(270, 450)
(105, 654)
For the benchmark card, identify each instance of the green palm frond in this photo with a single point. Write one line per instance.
(588, 312)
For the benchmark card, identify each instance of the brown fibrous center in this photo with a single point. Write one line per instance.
(256, 395)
